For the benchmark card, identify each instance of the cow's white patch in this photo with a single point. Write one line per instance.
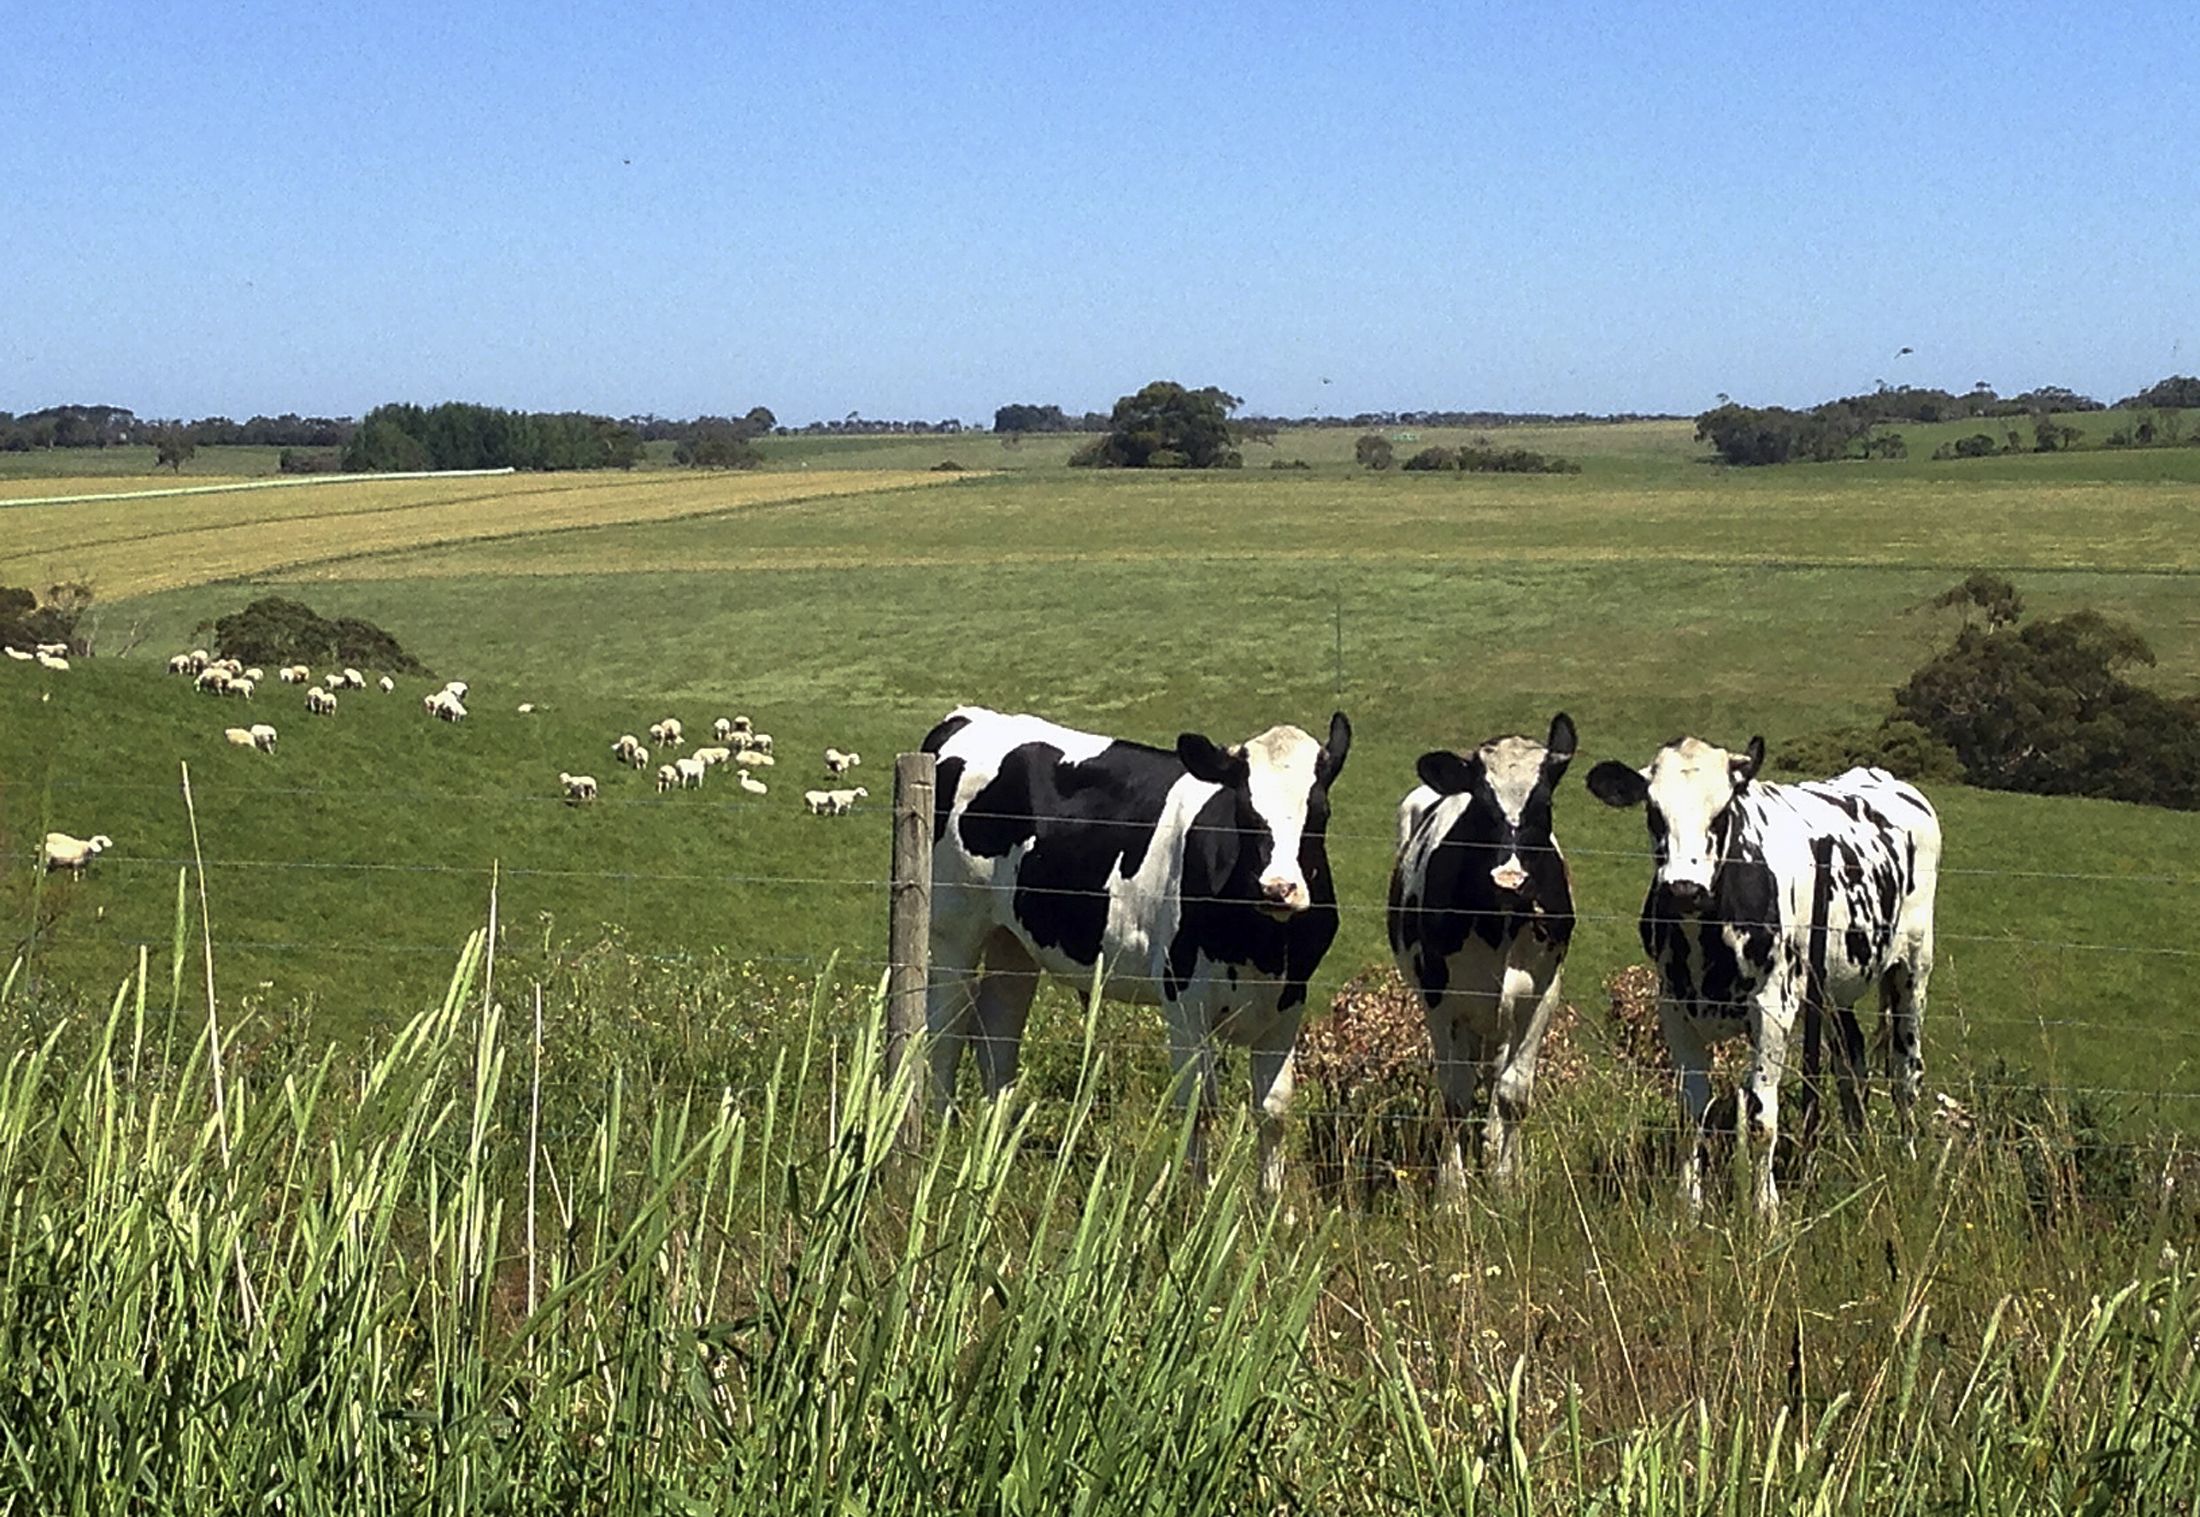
(1690, 784)
(1280, 772)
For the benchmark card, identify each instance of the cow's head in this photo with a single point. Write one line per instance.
(1508, 781)
(1689, 788)
(1281, 782)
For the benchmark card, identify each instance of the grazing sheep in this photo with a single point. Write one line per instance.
(449, 708)
(51, 650)
(841, 802)
(388, 685)
(242, 685)
(180, 664)
(578, 787)
(674, 733)
(760, 742)
(838, 763)
(211, 680)
(526, 708)
(321, 702)
(712, 757)
(263, 737)
(354, 679)
(749, 757)
(691, 771)
(334, 680)
(200, 658)
(229, 666)
(749, 782)
(816, 800)
(456, 689)
(240, 736)
(21, 657)
(294, 674)
(722, 728)
(255, 674)
(743, 724)
(667, 777)
(72, 854)
(52, 661)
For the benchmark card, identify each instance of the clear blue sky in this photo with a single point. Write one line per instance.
(929, 211)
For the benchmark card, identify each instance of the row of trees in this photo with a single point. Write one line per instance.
(1850, 427)
(459, 435)
(276, 630)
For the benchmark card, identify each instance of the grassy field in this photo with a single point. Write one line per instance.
(654, 1263)
(1648, 595)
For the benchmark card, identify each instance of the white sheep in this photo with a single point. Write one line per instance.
(750, 757)
(838, 763)
(578, 787)
(449, 708)
(526, 708)
(354, 679)
(180, 664)
(841, 802)
(456, 689)
(334, 679)
(321, 702)
(388, 685)
(52, 661)
(239, 736)
(51, 650)
(255, 674)
(293, 674)
(712, 757)
(23, 658)
(72, 854)
(211, 680)
(669, 732)
(263, 737)
(817, 801)
(242, 685)
(750, 782)
(743, 724)
(667, 777)
(691, 771)
(760, 742)
(722, 728)
(199, 659)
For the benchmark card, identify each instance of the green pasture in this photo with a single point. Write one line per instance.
(1434, 610)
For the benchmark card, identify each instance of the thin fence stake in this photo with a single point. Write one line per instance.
(909, 926)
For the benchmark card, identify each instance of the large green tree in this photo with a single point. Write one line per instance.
(1166, 426)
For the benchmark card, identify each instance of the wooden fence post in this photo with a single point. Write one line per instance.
(909, 926)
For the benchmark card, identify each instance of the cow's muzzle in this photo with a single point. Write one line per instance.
(1686, 897)
(1283, 899)
(1510, 877)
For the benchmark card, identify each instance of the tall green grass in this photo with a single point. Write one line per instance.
(449, 1273)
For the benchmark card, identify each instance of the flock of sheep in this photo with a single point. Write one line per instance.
(738, 746)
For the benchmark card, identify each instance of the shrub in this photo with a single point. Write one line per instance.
(1433, 458)
(310, 461)
(24, 621)
(1166, 426)
(947, 466)
(1372, 451)
(717, 447)
(276, 630)
(1289, 463)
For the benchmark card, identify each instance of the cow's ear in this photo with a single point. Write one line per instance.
(1334, 751)
(1207, 761)
(1558, 748)
(1745, 768)
(1613, 783)
(1446, 772)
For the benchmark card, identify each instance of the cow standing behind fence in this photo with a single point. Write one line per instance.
(1772, 902)
(1481, 912)
(1196, 878)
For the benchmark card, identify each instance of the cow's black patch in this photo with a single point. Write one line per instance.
(946, 728)
(1226, 850)
(1084, 820)
(947, 780)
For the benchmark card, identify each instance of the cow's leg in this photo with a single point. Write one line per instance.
(1902, 1004)
(1850, 1073)
(949, 1010)
(1192, 1069)
(1692, 1083)
(1274, 1077)
(1009, 981)
(1515, 1083)
(1449, 1039)
(1771, 1020)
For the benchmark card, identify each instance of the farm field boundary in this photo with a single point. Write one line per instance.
(221, 487)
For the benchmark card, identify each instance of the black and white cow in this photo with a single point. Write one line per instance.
(1481, 911)
(1772, 902)
(1196, 878)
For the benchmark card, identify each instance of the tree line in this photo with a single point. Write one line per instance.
(1854, 425)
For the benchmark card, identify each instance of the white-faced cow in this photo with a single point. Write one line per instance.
(1481, 911)
(1769, 902)
(1195, 877)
